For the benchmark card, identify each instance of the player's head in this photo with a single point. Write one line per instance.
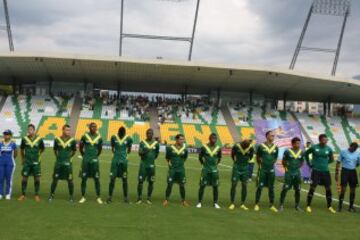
(213, 138)
(246, 142)
(31, 129)
(7, 135)
(93, 128)
(323, 139)
(308, 144)
(180, 139)
(122, 132)
(353, 147)
(270, 136)
(296, 142)
(149, 133)
(66, 130)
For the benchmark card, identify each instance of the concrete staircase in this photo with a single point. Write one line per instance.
(230, 123)
(154, 119)
(75, 113)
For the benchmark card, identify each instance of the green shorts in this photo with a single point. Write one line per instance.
(90, 169)
(238, 175)
(63, 172)
(209, 178)
(146, 173)
(266, 179)
(118, 169)
(292, 181)
(31, 169)
(176, 176)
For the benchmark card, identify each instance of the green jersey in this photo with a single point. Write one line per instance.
(293, 161)
(322, 156)
(148, 152)
(64, 149)
(92, 144)
(32, 148)
(268, 155)
(242, 157)
(210, 157)
(121, 147)
(176, 156)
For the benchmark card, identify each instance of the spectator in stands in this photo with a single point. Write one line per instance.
(308, 145)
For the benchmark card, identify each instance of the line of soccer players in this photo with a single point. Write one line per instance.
(32, 146)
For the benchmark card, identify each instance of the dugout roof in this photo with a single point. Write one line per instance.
(107, 72)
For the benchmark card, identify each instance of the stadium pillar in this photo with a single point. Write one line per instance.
(324, 107)
(50, 85)
(329, 107)
(218, 95)
(284, 102)
(118, 90)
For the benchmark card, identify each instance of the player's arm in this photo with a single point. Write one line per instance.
(73, 148)
(81, 146)
(338, 165)
(219, 156)
(22, 151)
(284, 161)
(186, 154)
(55, 148)
(233, 152)
(258, 156)
(331, 157)
(42, 146)
(157, 150)
(113, 144)
(129, 145)
(15, 151)
(251, 153)
(100, 146)
(307, 156)
(167, 155)
(201, 156)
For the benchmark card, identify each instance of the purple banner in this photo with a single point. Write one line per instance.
(284, 132)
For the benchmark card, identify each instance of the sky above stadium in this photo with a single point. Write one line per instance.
(251, 32)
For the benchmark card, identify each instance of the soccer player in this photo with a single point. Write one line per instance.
(8, 153)
(322, 156)
(90, 149)
(148, 152)
(308, 145)
(267, 154)
(293, 160)
(349, 159)
(210, 157)
(176, 156)
(121, 147)
(64, 149)
(31, 148)
(241, 154)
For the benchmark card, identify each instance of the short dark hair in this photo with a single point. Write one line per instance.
(179, 136)
(354, 145)
(66, 126)
(31, 126)
(122, 131)
(213, 135)
(91, 124)
(268, 132)
(321, 136)
(295, 139)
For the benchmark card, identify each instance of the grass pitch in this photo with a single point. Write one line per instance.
(63, 220)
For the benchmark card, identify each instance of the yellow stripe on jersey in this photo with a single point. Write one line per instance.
(64, 144)
(91, 141)
(121, 141)
(32, 143)
(297, 155)
(213, 152)
(243, 152)
(269, 150)
(180, 151)
(150, 146)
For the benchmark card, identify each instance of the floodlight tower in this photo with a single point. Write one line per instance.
(190, 39)
(7, 27)
(339, 8)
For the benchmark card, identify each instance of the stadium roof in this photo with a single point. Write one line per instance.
(173, 76)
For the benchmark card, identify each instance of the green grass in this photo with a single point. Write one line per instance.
(62, 220)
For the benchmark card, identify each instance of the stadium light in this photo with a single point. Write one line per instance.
(324, 7)
(190, 39)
